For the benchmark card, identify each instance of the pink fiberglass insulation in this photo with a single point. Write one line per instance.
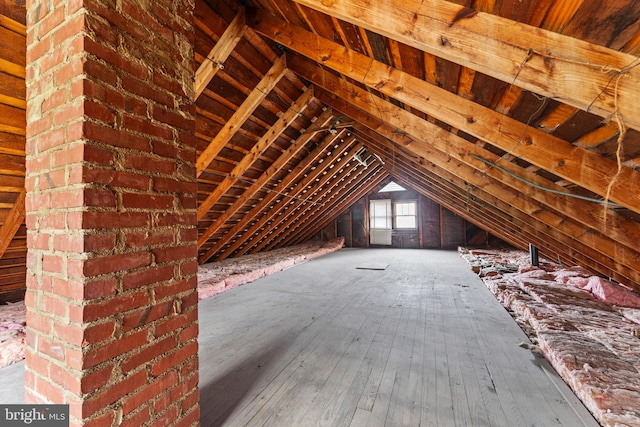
(586, 326)
(217, 277)
(12, 332)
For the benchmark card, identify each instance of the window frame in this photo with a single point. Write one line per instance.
(414, 203)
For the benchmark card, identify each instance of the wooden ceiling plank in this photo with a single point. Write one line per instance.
(589, 170)
(281, 216)
(459, 161)
(322, 121)
(12, 222)
(220, 52)
(505, 49)
(257, 95)
(265, 142)
(258, 210)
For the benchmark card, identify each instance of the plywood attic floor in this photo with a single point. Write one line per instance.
(421, 343)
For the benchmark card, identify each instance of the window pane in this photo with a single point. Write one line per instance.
(405, 213)
(406, 222)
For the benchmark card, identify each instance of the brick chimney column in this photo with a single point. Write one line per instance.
(111, 211)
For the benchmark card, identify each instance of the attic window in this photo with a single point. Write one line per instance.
(392, 186)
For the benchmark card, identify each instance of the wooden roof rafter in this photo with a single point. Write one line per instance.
(313, 183)
(589, 170)
(261, 213)
(357, 190)
(214, 61)
(323, 120)
(553, 65)
(257, 95)
(519, 205)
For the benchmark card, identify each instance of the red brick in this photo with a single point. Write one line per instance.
(99, 242)
(174, 119)
(53, 179)
(150, 164)
(188, 201)
(39, 365)
(189, 333)
(173, 288)
(148, 238)
(72, 28)
(54, 100)
(130, 180)
(147, 354)
(97, 333)
(69, 71)
(170, 325)
(113, 263)
(169, 85)
(38, 50)
(165, 148)
(37, 202)
(106, 419)
(54, 306)
(99, 198)
(170, 360)
(146, 91)
(53, 392)
(190, 419)
(53, 263)
(189, 401)
(174, 253)
(52, 348)
(147, 201)
(188, 268)
(148, 393)
(104, 32)
(105, 351)
(167, 418)
(69, 112)
(188, 218)
(70, 153)
(99, 71)
(189, 368)
(71, 333)
(52, 60)
(99, 112)
(107, 220)
(140, 417)
(117, 304)
(39, 241)
(147, 277)
(96, 379)
(114, 393)
(51, 20)
(70, 198)
(64, 378)
(188, 235)
(113, 137)
(145, 126)
(174, 185)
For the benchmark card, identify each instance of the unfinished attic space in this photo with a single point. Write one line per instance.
(336, 212)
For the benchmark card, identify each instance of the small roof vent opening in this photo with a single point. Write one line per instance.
(392, 186)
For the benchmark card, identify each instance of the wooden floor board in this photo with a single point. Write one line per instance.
(420, 343)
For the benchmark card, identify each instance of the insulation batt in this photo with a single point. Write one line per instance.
(12, 333)
(587, 327)
(213, 278)
(217, 277)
